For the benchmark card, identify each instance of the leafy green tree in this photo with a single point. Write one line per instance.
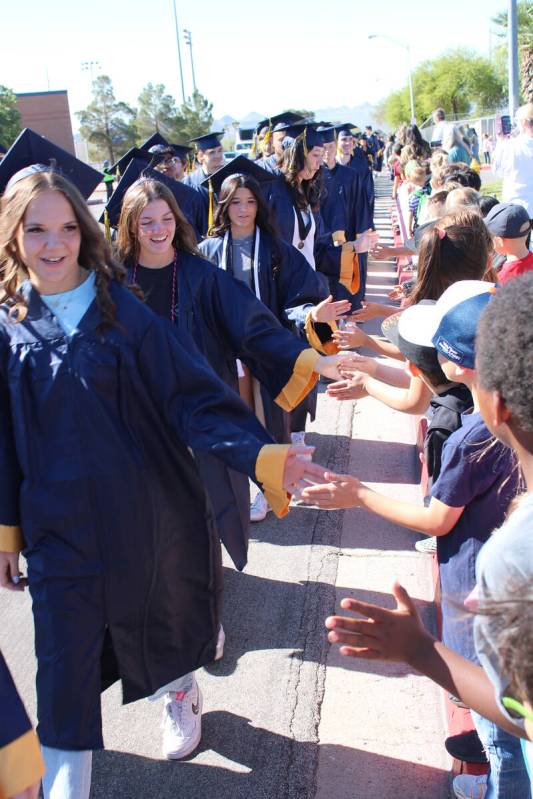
(195, 118)
(459, 81)
(107, 124)
(10, 126)
(157, 112)
(524, 20)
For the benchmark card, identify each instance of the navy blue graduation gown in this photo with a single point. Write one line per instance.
(194, 181)
(193, 206)
(289, 294)
(338, 200)
(328, 257)
(119, 535)
(226, 321)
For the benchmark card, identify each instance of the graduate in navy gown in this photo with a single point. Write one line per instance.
(273, 132)
(156, 245)
(294, 202)
(100, 401)
(244, 244)
(210, 157)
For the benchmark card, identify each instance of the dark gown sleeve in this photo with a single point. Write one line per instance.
(21, 763)
(10, 534)
(205, 413)
(276, 357)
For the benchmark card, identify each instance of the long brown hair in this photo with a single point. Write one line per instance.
(95, 254)
(307, 192)
(228, 190)
(458, 247)
(135, 201)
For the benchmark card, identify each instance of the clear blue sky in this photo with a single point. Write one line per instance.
(249, 56)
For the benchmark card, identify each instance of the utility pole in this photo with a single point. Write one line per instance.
(512, 47)
(188, 40)
(179, 50)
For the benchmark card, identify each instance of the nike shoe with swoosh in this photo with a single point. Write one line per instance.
(182, 722)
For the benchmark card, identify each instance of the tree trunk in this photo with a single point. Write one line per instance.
(526, 74)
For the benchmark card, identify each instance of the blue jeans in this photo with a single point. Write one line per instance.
(508, 778)
(68, 773)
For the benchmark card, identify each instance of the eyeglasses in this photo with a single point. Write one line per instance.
(517, 707)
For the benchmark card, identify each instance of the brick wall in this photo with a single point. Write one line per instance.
(48, 113)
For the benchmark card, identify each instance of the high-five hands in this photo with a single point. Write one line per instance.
(329, 311)
(300, 471)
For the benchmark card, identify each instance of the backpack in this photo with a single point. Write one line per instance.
(445, 420)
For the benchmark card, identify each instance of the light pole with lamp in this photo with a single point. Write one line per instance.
(188, 41)
(179, 50)
(407, 49)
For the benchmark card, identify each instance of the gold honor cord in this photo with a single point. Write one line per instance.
(107, 226)
(210, 216)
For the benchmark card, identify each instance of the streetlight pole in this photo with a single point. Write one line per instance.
(89, 66)
(512, 48)
(179, 50)
(188, 40)
(407, 49)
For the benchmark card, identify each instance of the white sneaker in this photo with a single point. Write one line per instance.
(259, 508)
(221, 640)
(427, 545)
(182, 722)
(298, 439)
(468, 786)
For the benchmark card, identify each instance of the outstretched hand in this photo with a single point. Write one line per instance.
(393, 635)
(349, 388)
(349, 338)
(329, 311)
(335, 491)
(300, 471)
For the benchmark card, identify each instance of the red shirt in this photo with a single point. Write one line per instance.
(512, 269)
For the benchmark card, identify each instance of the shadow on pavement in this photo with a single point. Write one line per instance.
(259, 764)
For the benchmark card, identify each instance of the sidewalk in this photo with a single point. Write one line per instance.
(388, 720)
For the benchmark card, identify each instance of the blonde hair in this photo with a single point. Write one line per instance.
(415, 171)
(463, 198)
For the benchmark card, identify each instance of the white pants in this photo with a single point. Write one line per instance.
(68, 773)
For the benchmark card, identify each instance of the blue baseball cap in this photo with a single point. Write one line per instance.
(508, 220)
(460, 308)
(450, 325)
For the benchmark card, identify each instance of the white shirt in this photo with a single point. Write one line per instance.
(513, 161)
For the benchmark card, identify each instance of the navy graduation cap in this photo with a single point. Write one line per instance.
(238, 166)
(154, 139)
(279, 121)
(119, 167)
(138, 170)
(347, 128)
(328, 133)
(32, 153)
(209, 141)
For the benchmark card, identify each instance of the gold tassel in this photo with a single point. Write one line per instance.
(306, 151)
(107, 227)
(210, 215)
(117, 173)
(268, 135)
(253, 148)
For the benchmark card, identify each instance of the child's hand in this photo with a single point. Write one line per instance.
(349, 338)
(381, 253)
(393, 635)
(351, 388)
(339, 491)
(353, 362)
(397, 293)
(9, 572)
(329, 311)
(369, 310)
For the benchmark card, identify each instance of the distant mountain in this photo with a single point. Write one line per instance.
(223, 123)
